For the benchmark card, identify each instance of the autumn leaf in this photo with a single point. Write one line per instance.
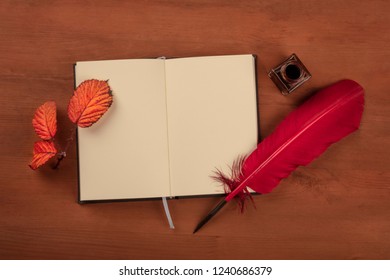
(90, 101)
(43, 151)
(45, 120)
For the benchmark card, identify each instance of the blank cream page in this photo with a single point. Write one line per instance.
(125, 154)
(212, 118)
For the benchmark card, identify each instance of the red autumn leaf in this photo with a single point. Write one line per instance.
(43, 151)
(45, 120)
(90, 101)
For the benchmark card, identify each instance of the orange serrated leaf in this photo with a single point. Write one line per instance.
(43, 151)
(90, 101)
(45, 120)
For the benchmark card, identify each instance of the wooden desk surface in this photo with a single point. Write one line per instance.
(336, 208)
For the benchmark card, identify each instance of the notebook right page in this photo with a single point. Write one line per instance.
(212, 118)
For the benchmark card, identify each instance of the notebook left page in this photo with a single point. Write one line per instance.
(125, 154)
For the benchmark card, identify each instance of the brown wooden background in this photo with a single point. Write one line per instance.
(336, 208)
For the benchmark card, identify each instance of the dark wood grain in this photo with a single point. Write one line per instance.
(336, 208)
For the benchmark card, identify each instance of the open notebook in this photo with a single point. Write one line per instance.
(172, 123)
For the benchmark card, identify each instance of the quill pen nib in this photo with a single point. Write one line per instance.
(210, 215)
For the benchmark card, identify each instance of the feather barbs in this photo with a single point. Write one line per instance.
(302, 136)
(232, 181)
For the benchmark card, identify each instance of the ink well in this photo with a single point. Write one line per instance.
(289, 75)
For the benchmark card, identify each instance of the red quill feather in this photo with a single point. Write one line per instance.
(302, 136)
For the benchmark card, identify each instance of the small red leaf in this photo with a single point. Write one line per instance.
(45, 120)
(90, 101)
(43, 151)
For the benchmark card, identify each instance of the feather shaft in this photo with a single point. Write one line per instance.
(211, 214)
